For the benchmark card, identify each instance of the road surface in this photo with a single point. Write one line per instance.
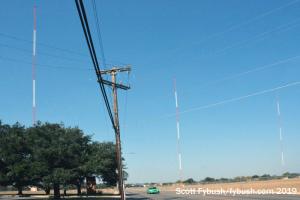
(132, 194)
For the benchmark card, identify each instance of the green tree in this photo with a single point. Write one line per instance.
(15, 156)
(223, 179)
(291, 175)
(104, 162)
(4, 181)
(255, 176)
(57, 152)
(98, 159)
(83, 156)
(209, 179)
(286, 174)
(188, 181)
(49, 155)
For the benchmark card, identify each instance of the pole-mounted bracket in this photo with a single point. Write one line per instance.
(116, 84)
(115, 70)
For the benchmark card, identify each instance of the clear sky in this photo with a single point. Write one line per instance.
(198, 42)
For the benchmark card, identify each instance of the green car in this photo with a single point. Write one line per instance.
(152, 190)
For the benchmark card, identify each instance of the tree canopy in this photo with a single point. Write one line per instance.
(188, 181)
(49, 155)
(15, 156)
(209, 179)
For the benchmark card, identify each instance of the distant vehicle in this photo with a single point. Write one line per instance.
(152, 190)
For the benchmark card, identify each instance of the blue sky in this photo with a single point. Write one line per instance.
(198, 42)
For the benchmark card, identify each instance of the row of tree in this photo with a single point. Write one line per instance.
(241, 178)
(254, 177)
(50, 155)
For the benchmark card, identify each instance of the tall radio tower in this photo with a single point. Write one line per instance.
(34, 38)
(178, 130)
(280, 133)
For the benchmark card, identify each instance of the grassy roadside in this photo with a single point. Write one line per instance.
(255, 185)
(71, 194)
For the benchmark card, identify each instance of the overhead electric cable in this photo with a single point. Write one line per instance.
(99, 33)
(86, 30)
(101, 46)
(90, 44)
(100, 42)
(55, 48)
(217, 103)
(221, 32)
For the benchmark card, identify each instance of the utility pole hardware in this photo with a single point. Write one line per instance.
(113, 72)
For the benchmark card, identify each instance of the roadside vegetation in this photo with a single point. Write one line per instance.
(52, 156)
(264, 177)
(210, 180)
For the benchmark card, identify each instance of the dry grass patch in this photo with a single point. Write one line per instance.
(256, 185)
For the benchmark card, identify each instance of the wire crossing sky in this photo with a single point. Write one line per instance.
(221, 53)
(225, 30)
(217, 103)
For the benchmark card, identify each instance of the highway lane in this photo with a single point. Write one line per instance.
(132, 194)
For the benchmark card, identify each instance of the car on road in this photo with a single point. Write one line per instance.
(152, 190)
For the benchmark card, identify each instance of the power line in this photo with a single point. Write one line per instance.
(102, 52)
(221, 32)
(99, 33)
(42, 64)
(87, 34)
(54, 47)
(100, 42)
(217, 103)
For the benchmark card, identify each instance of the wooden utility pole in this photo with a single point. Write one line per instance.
(113, 72)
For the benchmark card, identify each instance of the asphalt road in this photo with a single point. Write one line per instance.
(132, 194)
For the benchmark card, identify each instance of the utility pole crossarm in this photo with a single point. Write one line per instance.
(115, 84)
(115, 70)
